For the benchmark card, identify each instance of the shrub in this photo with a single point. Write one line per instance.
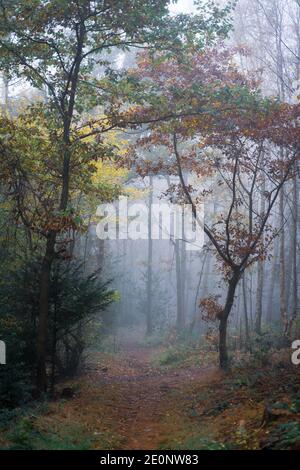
(75, 300)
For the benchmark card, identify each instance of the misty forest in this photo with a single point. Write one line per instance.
(136, 330)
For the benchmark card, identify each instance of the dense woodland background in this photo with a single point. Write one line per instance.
(185, 102)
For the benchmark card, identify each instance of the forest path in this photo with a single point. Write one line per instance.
(139, 402)
(126, 401)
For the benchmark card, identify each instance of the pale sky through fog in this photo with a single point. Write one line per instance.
(182, 6)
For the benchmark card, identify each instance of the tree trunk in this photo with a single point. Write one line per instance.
(149, 318)
(179, 289)
(247, 330)
(260, 273)
(43, 314)
(295, 247)
(259, 295)
(54, 336)
(223, 353)
(184, 280)
(42, 332)
(273, 278)
(196, 301)
(283, 307)
(294, 258)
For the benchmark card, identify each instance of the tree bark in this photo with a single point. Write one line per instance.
(42, 329)
(149, 319)
(260, 274)
(196, 301)
(247, 330)
(180, 320)
(223, 352)
(295, 247)
(273, 279)
(283, 307)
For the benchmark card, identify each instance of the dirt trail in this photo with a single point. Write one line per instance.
(142, 400)
(125, 402)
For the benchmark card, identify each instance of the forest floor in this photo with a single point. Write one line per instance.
(127, 400)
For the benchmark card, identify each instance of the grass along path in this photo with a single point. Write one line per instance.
(125, 401)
